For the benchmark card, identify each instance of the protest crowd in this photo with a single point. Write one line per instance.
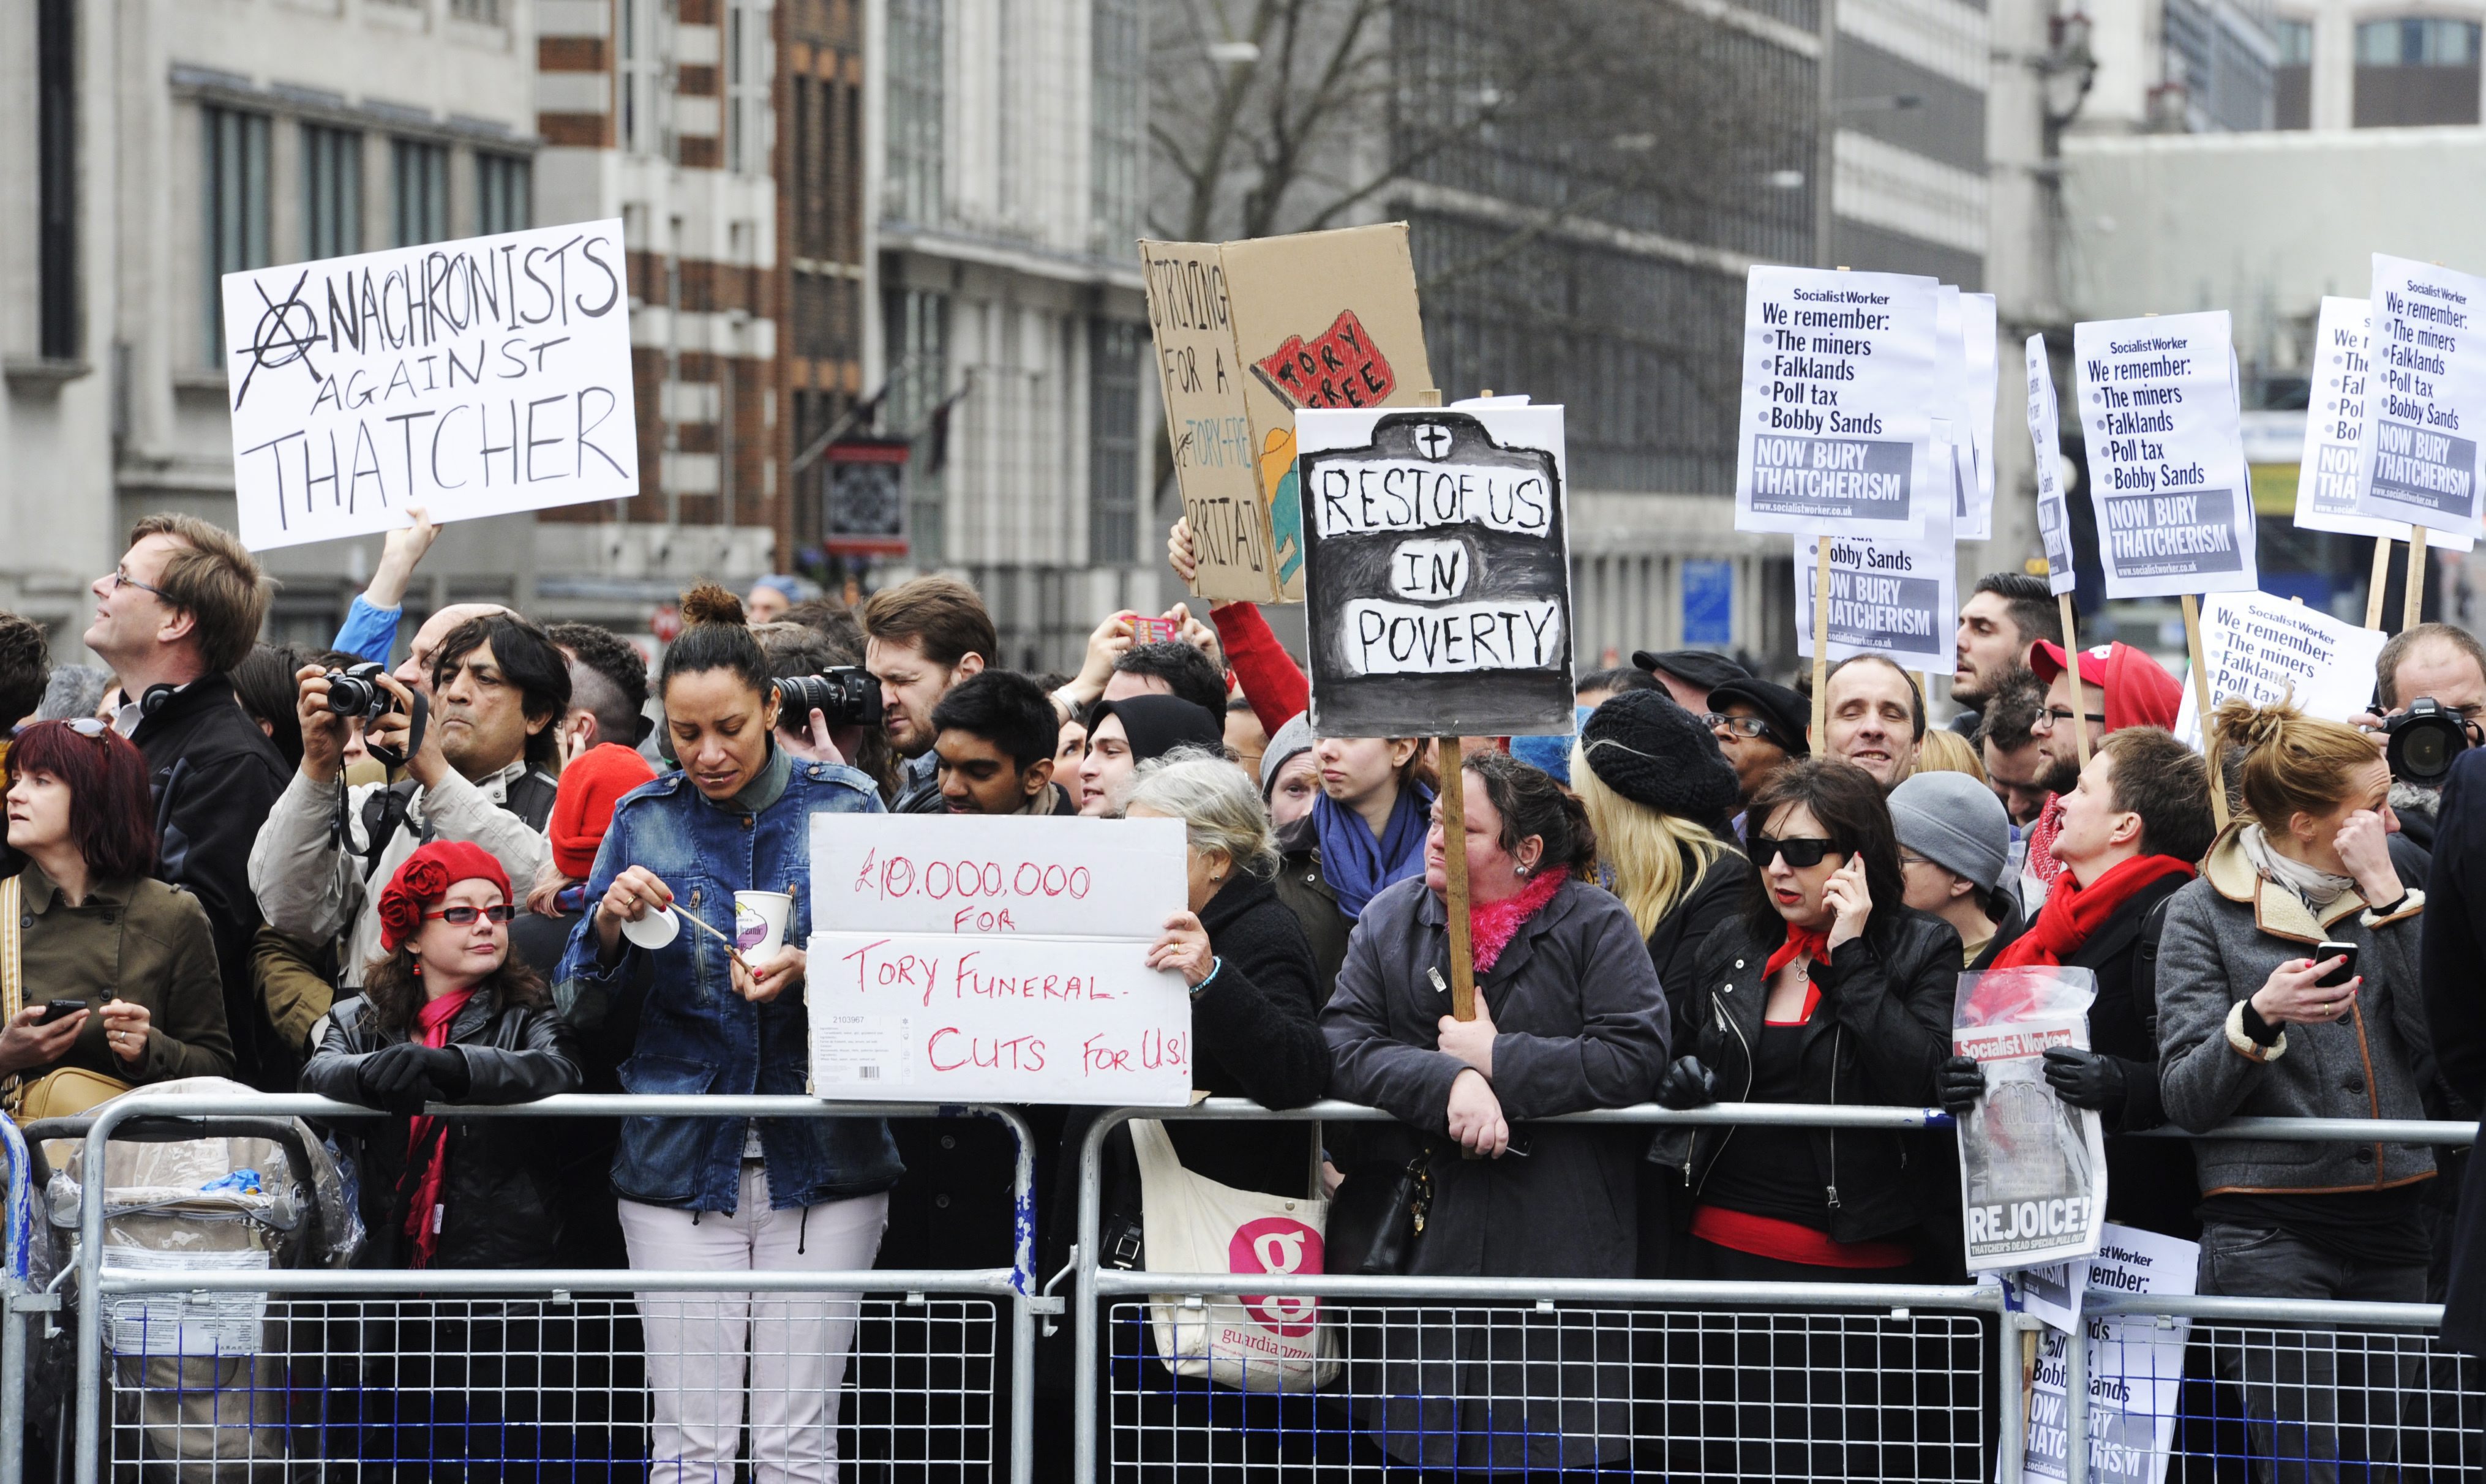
(430, 867)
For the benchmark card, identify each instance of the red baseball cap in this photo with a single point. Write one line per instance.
(2139, 691)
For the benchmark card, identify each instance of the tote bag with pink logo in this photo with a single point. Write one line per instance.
(1254, 1342)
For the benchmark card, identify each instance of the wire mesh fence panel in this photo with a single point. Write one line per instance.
(1470, 1389)
(251, 1390)
(2282, 1404)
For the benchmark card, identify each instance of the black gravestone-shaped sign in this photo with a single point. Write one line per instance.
(1437, 575)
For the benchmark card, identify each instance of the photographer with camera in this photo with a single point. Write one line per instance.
(920, 638)
(480, 761)
(2430, 689)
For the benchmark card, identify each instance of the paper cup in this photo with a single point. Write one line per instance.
(759, 923)
(653, 930)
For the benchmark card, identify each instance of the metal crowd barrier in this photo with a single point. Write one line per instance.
(1899, 1376)
(527, 1331)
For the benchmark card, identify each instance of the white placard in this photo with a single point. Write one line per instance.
(2046, 443)
(2135, 1366)
(2417, 462)
(187, 1324)
(959, 958)
(2167, 481)
(2267, 649)
(1897, 598)
(1983, 398)
(1841, 384)
(2334, 427)
(474, 377)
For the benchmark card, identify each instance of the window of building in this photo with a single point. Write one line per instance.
(421, 192)
(916, 99)
(1115, 139)
(747, 74)
(1113, 442)
(236, 198)
(505, 193)
(332, 191)
(485, 12)
(2417, 70)
(2292, 77)
(645, 127)
(56, 185)
(916, 322)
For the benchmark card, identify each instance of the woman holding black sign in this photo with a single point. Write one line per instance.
(1568, 1016)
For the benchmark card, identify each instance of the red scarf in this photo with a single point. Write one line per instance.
(428, 1138)
(1800, 941)
(2072, 913)
(1491, 925)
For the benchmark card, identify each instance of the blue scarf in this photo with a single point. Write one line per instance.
(1355, 865)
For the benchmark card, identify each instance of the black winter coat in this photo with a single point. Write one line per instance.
(1302, 888)
(1675, 945)
(217, 777)
(500, 1196)
(1878, 1037)
(2455, 944)
(2151, 1183)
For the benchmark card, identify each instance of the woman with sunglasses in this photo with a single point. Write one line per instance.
(129, 961)
(447, 1016)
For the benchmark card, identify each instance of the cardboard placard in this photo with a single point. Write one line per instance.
(474, 377)
(2268, 649)
(2334, 428)
(973, 959)
(1842, 384)
(1897, 598)
(2046, 443)
(2166, 449)
(1247, 335)
(2416, 463)
(1437, 571)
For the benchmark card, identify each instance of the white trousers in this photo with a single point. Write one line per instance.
(786, 1353)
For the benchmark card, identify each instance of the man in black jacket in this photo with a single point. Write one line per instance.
(180, 608)
(2455, 1016)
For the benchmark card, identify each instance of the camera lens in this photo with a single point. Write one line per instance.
(2424, 756)
(349, 695)
(800, 696)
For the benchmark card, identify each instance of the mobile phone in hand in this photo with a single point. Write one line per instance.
(1154, 631)
(60, 1009)
(2337, 979)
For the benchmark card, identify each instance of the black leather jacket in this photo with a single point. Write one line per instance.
(1878, 1037)
(499, 1194)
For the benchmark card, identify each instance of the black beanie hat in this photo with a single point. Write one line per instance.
(1647, 748)
(1157, 723)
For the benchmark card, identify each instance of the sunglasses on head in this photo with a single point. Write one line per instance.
(1801, 854)
(464, 917)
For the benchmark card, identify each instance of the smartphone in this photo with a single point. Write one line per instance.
(2339, 977)
(1153, 631)
(60, 1009)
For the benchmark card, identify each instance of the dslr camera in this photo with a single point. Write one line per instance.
(846, 695)
(2425, 741)
(356, 691)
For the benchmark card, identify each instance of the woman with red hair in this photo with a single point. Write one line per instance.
(132, 955)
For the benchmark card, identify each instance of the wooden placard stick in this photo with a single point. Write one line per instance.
(2374, 583)
(1454, 894)
(2201, 704)
(1820, 642)
(2413, 612)
(2072, 667)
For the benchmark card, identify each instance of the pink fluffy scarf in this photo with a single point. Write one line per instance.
(1491, 925)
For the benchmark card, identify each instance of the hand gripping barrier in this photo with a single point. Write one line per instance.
(1919, 1415)
(465, 1307)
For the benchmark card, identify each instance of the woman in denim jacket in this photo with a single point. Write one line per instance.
(718, 1193)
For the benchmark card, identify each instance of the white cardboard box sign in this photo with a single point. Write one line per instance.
(474, 377)
(959, 958)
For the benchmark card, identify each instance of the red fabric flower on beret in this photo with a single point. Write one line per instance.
(425, 878)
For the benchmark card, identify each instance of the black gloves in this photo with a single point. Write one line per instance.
(401, 1078)
(1959, 1083)
(2085, 1079)
(1688, 1083)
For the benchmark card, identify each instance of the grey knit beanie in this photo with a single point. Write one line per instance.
(1296, 736)
(1956, 822)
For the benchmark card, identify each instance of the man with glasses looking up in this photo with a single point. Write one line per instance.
(2120, 687)
(1758, 726)
(180, 608)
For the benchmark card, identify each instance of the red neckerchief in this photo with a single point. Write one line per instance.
(2042, 832)
(427, 1138)
(1491, 925)
(2072, 912)
(1809, 944)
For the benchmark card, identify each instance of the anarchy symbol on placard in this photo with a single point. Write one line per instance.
(275, 342)
(1433, 441)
